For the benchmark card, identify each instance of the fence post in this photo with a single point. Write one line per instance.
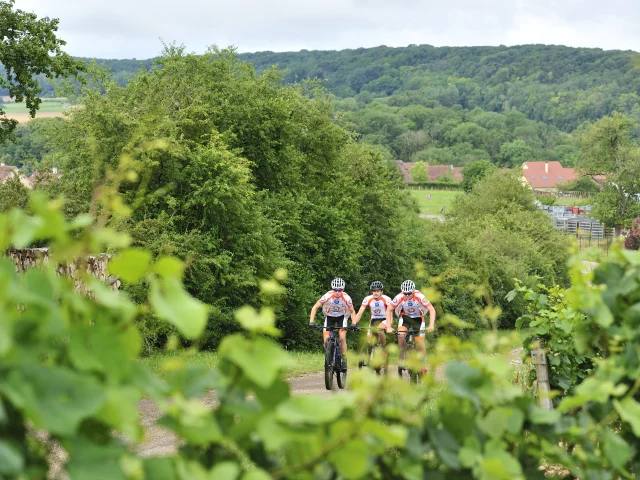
(539, 360)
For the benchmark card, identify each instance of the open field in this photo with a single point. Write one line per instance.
(439, 199)
(49, 108)
(575, 202)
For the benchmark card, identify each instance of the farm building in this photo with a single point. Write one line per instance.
(546, 176)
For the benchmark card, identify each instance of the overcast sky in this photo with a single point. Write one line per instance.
(133, 28)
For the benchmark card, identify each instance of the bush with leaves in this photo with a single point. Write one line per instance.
(555, 324)
(69, 377)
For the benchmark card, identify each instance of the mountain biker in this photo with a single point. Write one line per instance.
(414, 305)
(377, 302)
(336, 306)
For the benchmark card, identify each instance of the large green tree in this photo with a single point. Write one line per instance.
(28, 47)
(474, 172)
(240, 175)
(612, 159)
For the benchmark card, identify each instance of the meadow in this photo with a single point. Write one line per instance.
(439, 199)
(50, 107)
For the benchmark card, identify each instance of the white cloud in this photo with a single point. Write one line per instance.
(132, 28)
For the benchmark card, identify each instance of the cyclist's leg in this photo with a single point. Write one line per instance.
(401, 337)
(343, 335)
(376, 325)
(325, 333)
(420, 345)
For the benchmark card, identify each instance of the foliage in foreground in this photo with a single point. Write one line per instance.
(69, 376)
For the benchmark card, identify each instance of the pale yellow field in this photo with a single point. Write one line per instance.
(25, 117)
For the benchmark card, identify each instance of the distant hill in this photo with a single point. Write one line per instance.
(454, 105)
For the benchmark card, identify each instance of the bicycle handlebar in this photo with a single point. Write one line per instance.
(411, 332)
(320, 327)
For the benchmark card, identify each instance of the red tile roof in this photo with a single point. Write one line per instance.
(435, 171)
(546, 174)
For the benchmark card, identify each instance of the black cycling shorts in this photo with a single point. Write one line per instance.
(412, 324)
(340, 321)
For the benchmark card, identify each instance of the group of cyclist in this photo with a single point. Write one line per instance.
(410, 306)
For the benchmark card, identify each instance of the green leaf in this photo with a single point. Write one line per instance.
(173, 304)
(88, 461)
(159, 469)
(603, 315)
(169, 267)
(446, 446)
(225, 471)
(412, 470)
(511, 295)
(120, 410)
(351, 459)
(3, 413)
(25, 230)
(256, 474)
(616, 449)
(261, 360)
(463, 380)
(542, 416)
(629, 411)
(93, 348)
(273, 434)
(308, 409)
(390, 435)
(501, 420)
(252, 321)
(5, 336)
(81, 221)
(194, 422)
(130, 264)
(53, 398)
(11, 461)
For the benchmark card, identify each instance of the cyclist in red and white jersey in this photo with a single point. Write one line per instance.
(336, 306)
(414, 305)
(377, 303)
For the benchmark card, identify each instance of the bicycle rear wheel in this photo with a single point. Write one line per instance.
(329, 365)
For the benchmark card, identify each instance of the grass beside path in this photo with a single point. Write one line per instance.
(439, 199)
(160, 364)
(304, 362)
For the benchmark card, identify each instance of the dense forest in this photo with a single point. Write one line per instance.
(456, 105)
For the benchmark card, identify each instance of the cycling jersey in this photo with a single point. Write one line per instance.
(378, 306)
(414, 307)
(335, 307)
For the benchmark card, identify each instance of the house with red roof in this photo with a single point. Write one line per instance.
(546, 176)
(435, 171)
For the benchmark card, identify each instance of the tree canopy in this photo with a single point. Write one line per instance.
(28, 47)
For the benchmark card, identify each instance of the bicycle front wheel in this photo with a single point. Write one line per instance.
(341, 372)
(329, 366)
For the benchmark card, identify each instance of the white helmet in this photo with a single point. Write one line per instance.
(337, 284)
(408, 287)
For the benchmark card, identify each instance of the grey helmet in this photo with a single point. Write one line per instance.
(377, 285)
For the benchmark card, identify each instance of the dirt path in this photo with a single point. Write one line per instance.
(162, 442)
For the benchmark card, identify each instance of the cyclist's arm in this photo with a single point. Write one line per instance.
(353, 315)
(432, 317)
(314, 310)
(359, 314)
(390, 310)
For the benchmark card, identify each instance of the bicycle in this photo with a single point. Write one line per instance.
(410, 345)
(333, 358)
(368, 350)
